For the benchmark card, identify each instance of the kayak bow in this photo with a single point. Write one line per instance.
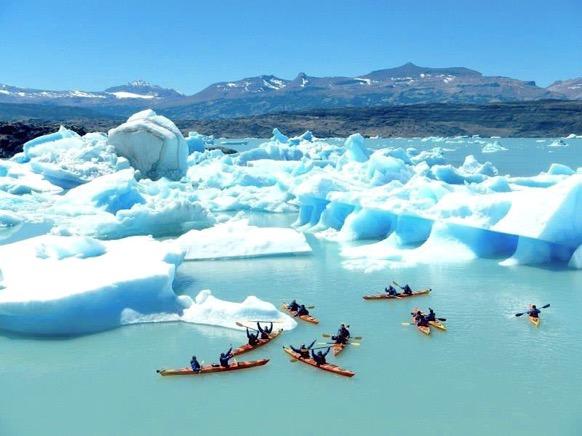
(535, 321)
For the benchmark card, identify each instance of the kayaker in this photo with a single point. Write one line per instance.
(225, 357)
(194, 364)
(391, 290)
(252, 337)
(319, 357)
(534, 312)
(342, 336)
(420, 319)
(302, 311)
(265, 331)
(293, 306)
(303, 350)
(407, 290)
(431, 315)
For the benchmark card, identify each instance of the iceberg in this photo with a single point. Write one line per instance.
(152, 144)
(81, 285)
(239, 239)
(493, 147)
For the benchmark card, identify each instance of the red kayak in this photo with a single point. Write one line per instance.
(248, 347)
(207, 369)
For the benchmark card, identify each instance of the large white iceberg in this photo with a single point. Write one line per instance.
(152, 144)
(55, 285)
(239, 239)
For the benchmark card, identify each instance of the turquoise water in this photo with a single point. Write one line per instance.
(491, 372)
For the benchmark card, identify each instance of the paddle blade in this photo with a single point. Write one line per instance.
(442, 319)
(520, 314)
(326, 335)
(546, 306)
(405, 323)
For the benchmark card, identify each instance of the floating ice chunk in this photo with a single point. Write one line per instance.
(198, 142)
(576, 259)
(557, 169)
(19, 179)
(239, 239)
(116, 206)
(153, 144)
(355, 150)
(558, 144)
(279, 137)
(9, 219)
(493, 147)
(207, 309)
(29, 147)
(60, 293)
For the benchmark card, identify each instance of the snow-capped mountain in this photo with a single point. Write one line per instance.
(407, 84)
(571, 89)
(130, 94)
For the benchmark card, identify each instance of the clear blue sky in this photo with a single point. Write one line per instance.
(187, 45)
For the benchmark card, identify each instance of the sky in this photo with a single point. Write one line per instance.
(188, 45)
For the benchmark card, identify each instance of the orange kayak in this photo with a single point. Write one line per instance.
(247, 347)
(422, 329)
(535, 321)
(438, 325)
(396, 297)
(326, 367)
(338, 348)
(306, 318)
(206, 369)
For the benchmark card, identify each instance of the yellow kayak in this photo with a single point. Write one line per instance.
(534, 320)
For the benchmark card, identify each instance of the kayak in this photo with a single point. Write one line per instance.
(396, 297)
(438, 325)
(206, 369)
(534, 321)
(247, 347)
(422, 329)
(326, 367)
(306, 318)
(338, 348)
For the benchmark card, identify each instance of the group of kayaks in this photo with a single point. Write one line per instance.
(337, 347)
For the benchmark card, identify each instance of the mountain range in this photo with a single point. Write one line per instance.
(404, 85)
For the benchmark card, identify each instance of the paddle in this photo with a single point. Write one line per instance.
(523, 313)
(307, 307)
(357, 344)
(397, 284)
(327, 335)
(244, 326)
(263, 322)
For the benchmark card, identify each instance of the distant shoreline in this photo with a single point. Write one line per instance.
(549, 118)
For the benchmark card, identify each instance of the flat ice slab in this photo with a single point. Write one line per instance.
(239, 239)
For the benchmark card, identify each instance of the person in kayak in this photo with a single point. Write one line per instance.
(301, 311)
(419, 319)
(293, 306)
(252, 337)
(342, 336)
(225, 357)
(195, 365)
(407, 290)
(303, 350)
(265, 331)
(534, 312)
(319, 357)
(391, 290)
(431, 315)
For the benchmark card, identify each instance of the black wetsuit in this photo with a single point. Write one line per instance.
(407, 290)
(225, 357)
(534, 313)
(195, 365)
(293, 306)
(319, 357)
(265, 331)
(431, 316)
(253, 338)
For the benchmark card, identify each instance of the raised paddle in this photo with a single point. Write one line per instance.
(523, 313)
(242, 325)
(357, 344)
(263, 322)
(307, 307)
